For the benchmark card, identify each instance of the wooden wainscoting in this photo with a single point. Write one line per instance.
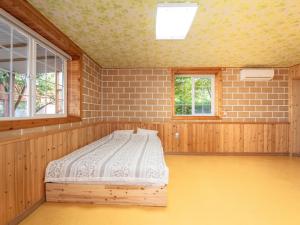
(23, 160)
(216, 138)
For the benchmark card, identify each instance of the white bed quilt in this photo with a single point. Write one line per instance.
(124, 159)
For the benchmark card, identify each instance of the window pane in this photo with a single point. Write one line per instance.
(5, 48)
(203, 95)
(4, 81)
(49, 82)
(183, 95)
(45, 95)
(21, 105)
(20, 76)
(45, 105)
(4, 105)
(59, 70)
(40, 62)
(50, 67)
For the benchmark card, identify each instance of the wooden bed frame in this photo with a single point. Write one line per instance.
(107, 194)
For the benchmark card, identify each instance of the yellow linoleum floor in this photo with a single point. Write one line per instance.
(204, 190)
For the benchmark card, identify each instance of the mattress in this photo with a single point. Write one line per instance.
(118, 159)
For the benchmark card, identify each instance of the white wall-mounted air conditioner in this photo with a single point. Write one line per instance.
(256, 74)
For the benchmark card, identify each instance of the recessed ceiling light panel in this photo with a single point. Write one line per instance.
(173, 20)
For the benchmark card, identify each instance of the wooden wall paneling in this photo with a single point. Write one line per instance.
(81, 137)
(294, 106)
(50, 149)
(19, 176)
(74, 139)
(192, 138)
(3, 186)
(60, 141)
(69, 135)
(213, 137)
(28, 175)
(39, 160)
(231, 138)
(218, 138)
(90, 134)
(181, 144)
(97, 132)
(65, 146)
(296, 115)
(55, 143)
(281, 138)
(10, 180)
(251, 138)
(166, 136)
(294, 102)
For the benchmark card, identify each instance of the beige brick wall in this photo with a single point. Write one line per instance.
(91, 90)
(255, 101)
(144, 95)
(136, 95)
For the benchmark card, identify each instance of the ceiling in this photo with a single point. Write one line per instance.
(232, 33)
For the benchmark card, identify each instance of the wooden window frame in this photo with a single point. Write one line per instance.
(217, 72)
(25, 12)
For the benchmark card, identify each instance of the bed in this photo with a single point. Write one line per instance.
(121, 168)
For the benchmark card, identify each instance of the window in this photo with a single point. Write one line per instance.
(196, 94)
(32, 76)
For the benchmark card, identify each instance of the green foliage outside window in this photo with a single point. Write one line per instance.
(184, 95)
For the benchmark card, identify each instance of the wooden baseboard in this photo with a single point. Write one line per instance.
(295, 154)
(230, 153)
(107, 194)
(26, 213)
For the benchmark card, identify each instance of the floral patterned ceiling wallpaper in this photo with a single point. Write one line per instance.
(236, 33)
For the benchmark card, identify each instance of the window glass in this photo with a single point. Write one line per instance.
(20, 78)
(5, 48)
(194, 95)
(203, 95)
(45, 82)
(59, 84)
(183, 95)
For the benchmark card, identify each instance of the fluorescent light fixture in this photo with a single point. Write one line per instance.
(173, 20)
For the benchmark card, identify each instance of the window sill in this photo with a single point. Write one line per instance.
(29, 123)
(196, 118)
